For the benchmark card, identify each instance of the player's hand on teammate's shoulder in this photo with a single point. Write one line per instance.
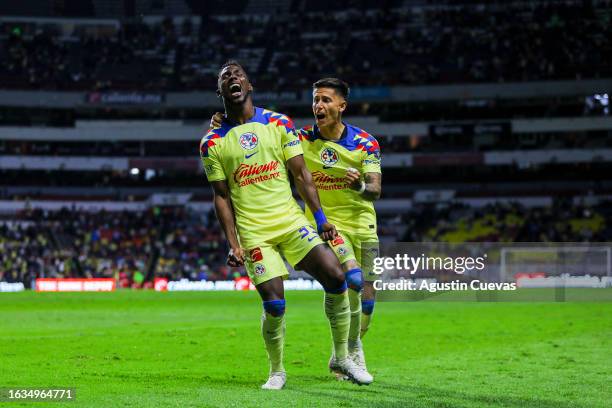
(328, 231)
(353, 178)
(235, 257)
(216, 120)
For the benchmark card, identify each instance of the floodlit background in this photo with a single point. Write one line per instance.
(494, 123)
(493, 120)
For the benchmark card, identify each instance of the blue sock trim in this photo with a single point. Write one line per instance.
(367, 306)
(354, 279)
(337, 290)
(274, 307)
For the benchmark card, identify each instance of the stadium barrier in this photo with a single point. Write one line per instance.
(241, 283)
(159, 285)
(12, 287)
(540, 280)
(75, 285)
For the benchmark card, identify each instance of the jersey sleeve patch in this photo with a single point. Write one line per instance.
(367, 143)
(278, 119)
(306, 133)
(210, 139)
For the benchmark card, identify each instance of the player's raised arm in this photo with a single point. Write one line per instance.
(225, 214)
(308, 192)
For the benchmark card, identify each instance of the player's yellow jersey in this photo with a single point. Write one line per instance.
(328, 161)
(252, 158)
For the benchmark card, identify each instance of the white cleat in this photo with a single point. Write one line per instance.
(356, 354)
(347, 367)
(276, 381)
(339, 376)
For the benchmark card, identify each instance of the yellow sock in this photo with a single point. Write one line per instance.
(337, 309)
(273, 331)
(355, 327)
(365, 323)
(367, 309)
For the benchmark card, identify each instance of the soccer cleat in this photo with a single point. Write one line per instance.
(356, 354)
(276, 381)
(339, 376)
(347, 367)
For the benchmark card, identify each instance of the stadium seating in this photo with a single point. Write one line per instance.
(167, 242)
(510, 222)
(410, 45)
(176, 244)
(443, 180)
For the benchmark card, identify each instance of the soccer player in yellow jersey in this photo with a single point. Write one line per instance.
(246, 159)
(345, 165)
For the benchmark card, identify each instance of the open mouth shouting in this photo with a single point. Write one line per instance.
(235, 90)
(320, 116)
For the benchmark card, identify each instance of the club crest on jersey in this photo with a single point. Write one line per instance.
(329, 156)
(260, 269)
(248, 141)
(342, 251)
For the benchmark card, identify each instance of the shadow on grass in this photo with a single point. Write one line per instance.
(378, 395)
(381, 394)
(230, 381)
(432, 393)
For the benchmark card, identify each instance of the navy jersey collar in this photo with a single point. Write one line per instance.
(257, 117)
(341, 141)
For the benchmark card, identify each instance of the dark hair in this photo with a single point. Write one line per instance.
(230, 63)
(338, 85)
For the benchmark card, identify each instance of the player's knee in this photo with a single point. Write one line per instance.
(337, 277)
(275, 308)
(335, 287)
(335, 281)
(334, 274)
(354, 279)
(367, 307)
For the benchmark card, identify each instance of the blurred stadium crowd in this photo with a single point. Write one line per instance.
(128, 246)
(425, 143)
(519, 41)
(493, 120)
(563, 221)
(178, 244)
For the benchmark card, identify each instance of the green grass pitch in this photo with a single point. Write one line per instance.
(203, 349)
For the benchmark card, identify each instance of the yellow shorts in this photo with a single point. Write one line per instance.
(264, 261)
(357, 247)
